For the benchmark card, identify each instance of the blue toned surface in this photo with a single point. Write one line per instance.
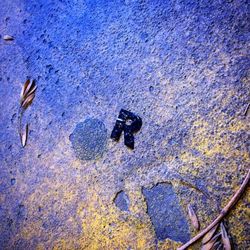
(181, 65)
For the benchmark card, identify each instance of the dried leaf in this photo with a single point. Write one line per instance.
(217, 245)
(27, 96)
(24, 88)
(224, 237)
(193, 217)
(28, 89)
(210, 244)
(24, 136)
(27, 102)
(8, 38)
(32, 88)
(209, 235)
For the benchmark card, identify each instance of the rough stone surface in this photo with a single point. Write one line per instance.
(181, 65)
(122, 201)
(166, 213)
(89, 139)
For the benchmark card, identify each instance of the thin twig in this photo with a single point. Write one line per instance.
(246, 110)
(222, 214)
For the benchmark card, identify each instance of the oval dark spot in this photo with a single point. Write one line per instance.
(89, 139)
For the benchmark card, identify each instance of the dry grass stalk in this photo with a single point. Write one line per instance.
(27, 97)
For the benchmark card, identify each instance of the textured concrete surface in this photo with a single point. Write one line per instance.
(182, 66)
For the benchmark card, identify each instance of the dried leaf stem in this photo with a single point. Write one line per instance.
(222, 214)
(20, 116)
(27, 97)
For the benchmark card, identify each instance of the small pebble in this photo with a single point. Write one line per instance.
(151, 89)
(8, 38)
(13, 181)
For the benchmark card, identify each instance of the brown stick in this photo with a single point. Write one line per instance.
(222, 214)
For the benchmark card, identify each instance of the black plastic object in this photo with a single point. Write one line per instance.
(129, 129)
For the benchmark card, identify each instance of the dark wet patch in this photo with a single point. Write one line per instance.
(89, 139)
(165, 213)
(122, 201)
